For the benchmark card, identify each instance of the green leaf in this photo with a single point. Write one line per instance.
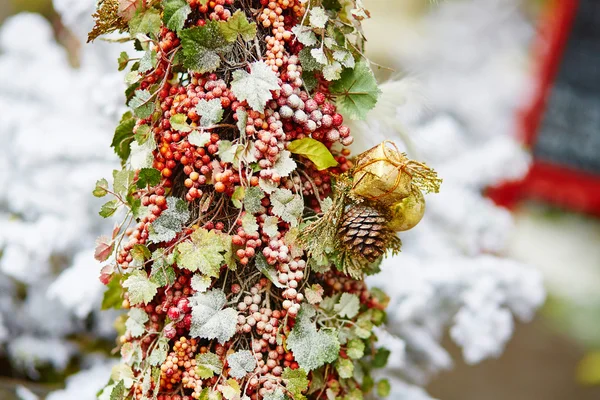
(210, 112)
(123, 60)
(315, 151)
(136, 322)
(384, 388)
(140, 253)
(267, 270)
(345, 368)
(163, 276)
(141, 103)
(175, 13)
(232, 390)
(252, 199)
(355, 349)
(208, 364)
(179, 123)
(380, 358)
(255, 87)
(356, 91)
(287, 205)
(113, 294)
(101, 189)
(209, 319)
(348, 306)
(312, 348)
(148, 61)
(118, 391)
(203, 252)
(122, 181)
(123, 136)
(170, 222)
(148, 177)
(140, 288)
(147, 22)
(142, 134)
(296, 381)
(202, 46)
(249, 223)
(108, 209)
(241, 363)
(236, 25)
(307, 61)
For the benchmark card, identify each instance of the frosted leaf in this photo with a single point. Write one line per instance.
(270, 226)
(345, 58)
(332, 71)
(312, 348)
(136, 321)
(318, 17)
(199, 139)
(355, 349)
(305, 35)
(252, 199)
(208, 364)
(179, 123)
(287, 205)
(203, 252)
(326, 204)
(319, 55)
(232, 390)
(175, 13)
(267, 270)
(249, 223)
(141, 154)
(148, 61)
(267, 185)
(284, 164)
(255, 87)
(142, 104)
(314, 294)
(159, 353)
(140, 288)
(122, 372)
(170, 222)
(241, 363)
(200, 283)
(228, 151)
(210, 112)
(348, 306)
(276, 395)
(209, 319)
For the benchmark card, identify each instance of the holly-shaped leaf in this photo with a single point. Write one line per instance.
(209, 319)
(356, 91)
(236, 25)
(348, 306)
(136, 321)
(175, 13)
(255, 87)
(312, 348)
(287, 205)
(315, 151)
(210, 112)
(142, 103)
(140, 288)
(170, 222)
(203, 252)
(241, 363)
(296, 381)
(148, 177)
(208, 364)
(202, 46)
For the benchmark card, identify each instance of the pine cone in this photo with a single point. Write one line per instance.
(363, 231)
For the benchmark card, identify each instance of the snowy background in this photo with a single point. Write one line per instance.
(465, 71)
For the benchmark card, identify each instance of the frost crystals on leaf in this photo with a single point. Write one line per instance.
(140, 288)
(209, 319)
(135, 322)
(170, 221)
(255, 87)
(241, 363)
(287, 205)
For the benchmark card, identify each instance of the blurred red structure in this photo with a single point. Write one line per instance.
(560, 183)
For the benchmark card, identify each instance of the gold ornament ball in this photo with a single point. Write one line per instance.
(408, 212)
(379, 175)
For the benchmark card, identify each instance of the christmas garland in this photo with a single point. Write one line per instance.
(246, 227)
